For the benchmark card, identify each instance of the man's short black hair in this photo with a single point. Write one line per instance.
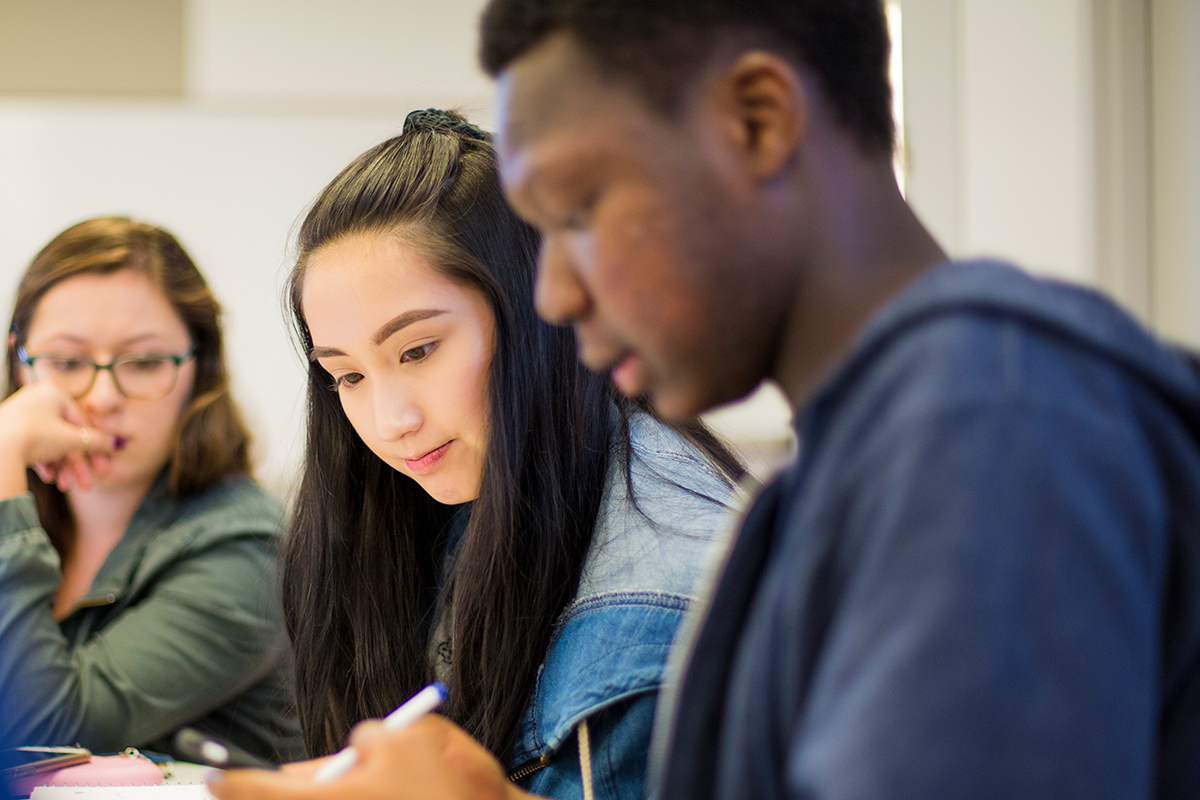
(660, 45)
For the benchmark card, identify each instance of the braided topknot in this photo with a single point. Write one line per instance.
(436, 120)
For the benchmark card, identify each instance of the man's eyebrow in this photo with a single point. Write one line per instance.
(403, 321)
(381, 335)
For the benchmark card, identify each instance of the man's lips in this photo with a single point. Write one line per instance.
(629, 374)
(624, 366)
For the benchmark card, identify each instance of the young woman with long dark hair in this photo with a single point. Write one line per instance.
(476, 507)
(134, 546)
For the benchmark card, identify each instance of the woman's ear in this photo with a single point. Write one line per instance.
(23, 376)
(761, 100)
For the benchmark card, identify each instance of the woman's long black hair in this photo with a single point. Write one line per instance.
(363, 557)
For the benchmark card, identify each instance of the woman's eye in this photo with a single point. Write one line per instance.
(64, 363)
(417, 353)
(346, 381)
(146, 364)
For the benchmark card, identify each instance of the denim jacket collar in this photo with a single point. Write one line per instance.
(611, 643)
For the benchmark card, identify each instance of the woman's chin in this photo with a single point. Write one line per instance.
(448, 493)
(119, 477)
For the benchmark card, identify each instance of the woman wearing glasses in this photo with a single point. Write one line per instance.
(137, 557)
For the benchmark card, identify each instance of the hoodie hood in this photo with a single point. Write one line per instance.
(1083, 316)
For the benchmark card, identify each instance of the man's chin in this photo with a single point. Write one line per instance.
(676, 405)
(687, 403)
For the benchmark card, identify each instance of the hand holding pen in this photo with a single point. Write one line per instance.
(204, 749)
(433, 757)
(406, 714)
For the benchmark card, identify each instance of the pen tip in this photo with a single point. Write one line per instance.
(441, 688)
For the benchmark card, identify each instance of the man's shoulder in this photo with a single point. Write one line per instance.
(984, 335)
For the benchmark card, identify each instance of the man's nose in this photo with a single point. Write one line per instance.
(559, 294)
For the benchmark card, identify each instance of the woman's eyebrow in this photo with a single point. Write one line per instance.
(323, 352)
(403, 321)
(389, 328)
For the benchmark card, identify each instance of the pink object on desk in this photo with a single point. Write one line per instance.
(122, 770)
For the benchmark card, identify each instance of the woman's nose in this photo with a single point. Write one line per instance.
(397, 413)
(103, 395)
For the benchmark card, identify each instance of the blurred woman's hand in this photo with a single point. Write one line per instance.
(43, 428)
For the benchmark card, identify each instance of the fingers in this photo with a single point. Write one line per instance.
(431, 731)
(431, 758)
(439, 755)
(256, 784)
(101, 464)
(304, 769)
(94, 443)
(78, 466)
(364, 734)
(45, 426)
(47, 474)
(55, 440)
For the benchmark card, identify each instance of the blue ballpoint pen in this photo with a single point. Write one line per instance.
(405, 714)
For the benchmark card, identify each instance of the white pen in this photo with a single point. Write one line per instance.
(405, 714)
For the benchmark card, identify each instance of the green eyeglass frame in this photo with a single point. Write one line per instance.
(176, 362)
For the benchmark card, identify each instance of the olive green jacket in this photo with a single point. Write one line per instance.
(181, 626)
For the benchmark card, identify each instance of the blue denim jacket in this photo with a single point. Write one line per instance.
(606, 658)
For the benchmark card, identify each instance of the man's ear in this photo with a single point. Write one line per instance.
(762, 101)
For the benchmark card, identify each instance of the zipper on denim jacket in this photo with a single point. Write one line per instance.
(530, 767)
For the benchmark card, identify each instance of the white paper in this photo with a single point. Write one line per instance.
(186, 792)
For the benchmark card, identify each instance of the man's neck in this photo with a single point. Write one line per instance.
(870, 246)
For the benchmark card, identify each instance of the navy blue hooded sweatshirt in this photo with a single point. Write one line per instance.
(981, 579)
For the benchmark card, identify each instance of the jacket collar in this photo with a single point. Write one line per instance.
(116, 573)
(607, 649)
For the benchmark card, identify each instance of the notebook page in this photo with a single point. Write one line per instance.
(184, 792)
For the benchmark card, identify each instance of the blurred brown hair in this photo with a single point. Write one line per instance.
(211, 440)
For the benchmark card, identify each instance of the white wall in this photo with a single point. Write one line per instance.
(229, 185)
(999, 108)
(281, 94)
(327, 55)
(1027, 132)
(1175, 234)
(1064, 135)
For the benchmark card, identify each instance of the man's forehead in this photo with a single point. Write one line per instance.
(552, 84)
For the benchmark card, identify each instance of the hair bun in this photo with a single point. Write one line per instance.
(437, 121)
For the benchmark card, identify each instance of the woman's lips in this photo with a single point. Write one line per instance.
(427, 462)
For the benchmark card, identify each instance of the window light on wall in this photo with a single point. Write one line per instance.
(896, 70)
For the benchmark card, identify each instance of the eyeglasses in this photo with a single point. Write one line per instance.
(137, 376)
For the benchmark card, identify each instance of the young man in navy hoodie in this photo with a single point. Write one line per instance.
(982, 576)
